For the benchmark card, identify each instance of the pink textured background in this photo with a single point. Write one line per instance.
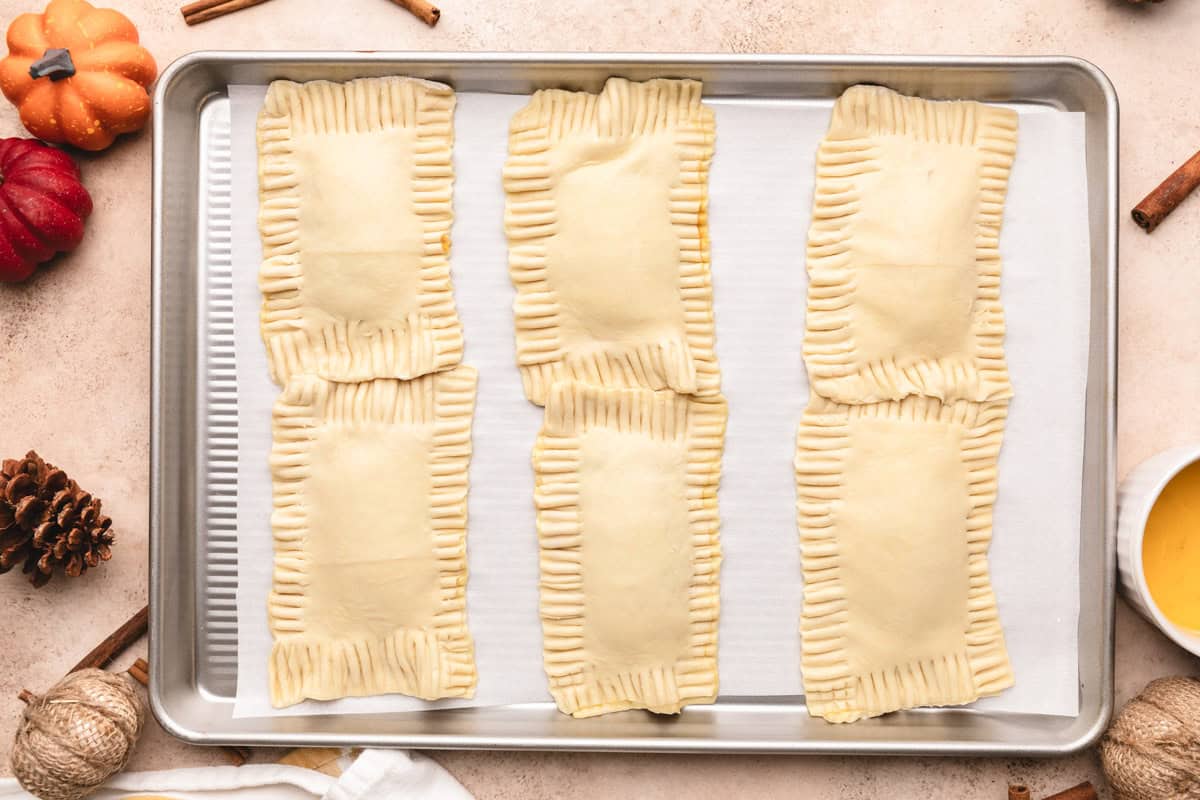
(74, 342)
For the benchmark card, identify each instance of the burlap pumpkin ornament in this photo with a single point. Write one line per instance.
(77, 735)
(1152, 749)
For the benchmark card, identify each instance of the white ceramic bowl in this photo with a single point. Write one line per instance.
(1135, 498)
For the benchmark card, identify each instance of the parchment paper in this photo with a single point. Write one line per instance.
(761, 194)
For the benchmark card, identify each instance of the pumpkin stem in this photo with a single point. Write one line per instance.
(55, 64)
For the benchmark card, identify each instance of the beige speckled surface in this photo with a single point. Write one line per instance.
(74, 341)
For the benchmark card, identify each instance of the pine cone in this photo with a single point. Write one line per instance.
(46, 521)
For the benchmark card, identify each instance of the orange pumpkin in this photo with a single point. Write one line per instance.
(77, 74)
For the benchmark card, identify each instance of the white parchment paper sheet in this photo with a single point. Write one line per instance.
(761, 194)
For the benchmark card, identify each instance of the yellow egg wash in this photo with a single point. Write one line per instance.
(1171, 550)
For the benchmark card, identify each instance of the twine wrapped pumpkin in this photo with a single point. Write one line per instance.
(77, 735)
(1152, 749)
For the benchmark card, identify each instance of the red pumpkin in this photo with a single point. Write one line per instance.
(42, 206)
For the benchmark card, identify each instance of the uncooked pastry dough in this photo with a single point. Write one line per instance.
(903, 252)
(895, 506)
(607, 225)
(370, 495)
(626, 495)
(355, 181)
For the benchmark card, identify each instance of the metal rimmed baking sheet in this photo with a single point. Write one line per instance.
(191, 578)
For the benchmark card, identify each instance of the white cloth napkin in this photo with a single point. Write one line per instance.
(374, 775)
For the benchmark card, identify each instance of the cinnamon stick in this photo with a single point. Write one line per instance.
(423, 10)
(116, 642)
(1169, 194)
(140, 672)
(26, 696)
(200, 5)
(113, 645)
(1018, 791)
(204, 10)
(238, 755)
(1084, 791)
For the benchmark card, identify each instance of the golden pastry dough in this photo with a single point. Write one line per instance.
(370, 495)
(895, 505)
(607, 226)
(903, 252)
(626, 495)
(355, 181)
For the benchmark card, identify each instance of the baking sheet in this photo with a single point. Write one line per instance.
(761, 190)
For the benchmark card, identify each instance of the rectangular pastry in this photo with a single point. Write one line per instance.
(903, 252)
(626, 496)
(355, 211)
(370, 497)
(895, 506)
(606, 218)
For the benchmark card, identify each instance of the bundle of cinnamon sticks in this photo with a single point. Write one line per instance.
(116, 643)
(204, 10)
(1084, 791)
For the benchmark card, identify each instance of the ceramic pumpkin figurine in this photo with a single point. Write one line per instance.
(77, 74)
(42, 206)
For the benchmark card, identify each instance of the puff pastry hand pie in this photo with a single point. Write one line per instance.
(903, 252)
(626, 495)
(606, 219)
(370, 488)
(895, 506)
(355, 181)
